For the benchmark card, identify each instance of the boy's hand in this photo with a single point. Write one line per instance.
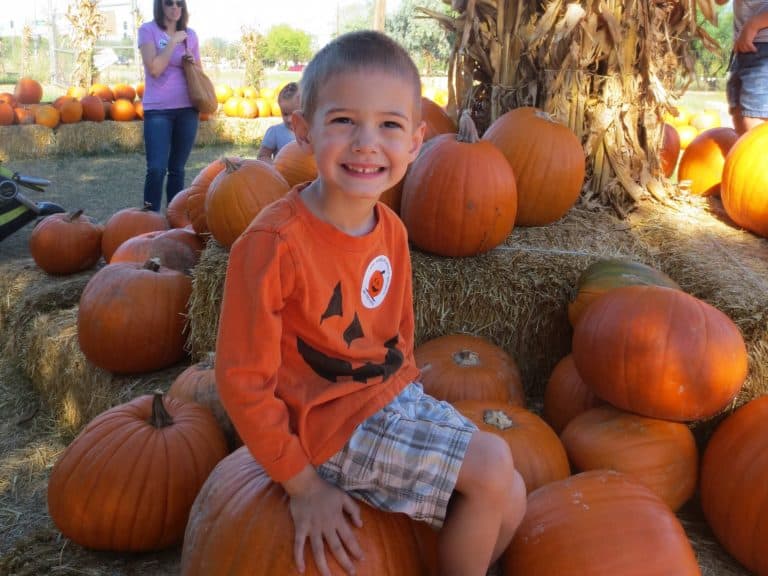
(318, 510)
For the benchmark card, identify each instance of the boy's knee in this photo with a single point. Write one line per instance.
(490, 464)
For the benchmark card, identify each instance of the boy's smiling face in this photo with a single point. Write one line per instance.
(363, 133)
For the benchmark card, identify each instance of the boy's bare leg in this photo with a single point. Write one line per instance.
(743, 124)
(488, 506)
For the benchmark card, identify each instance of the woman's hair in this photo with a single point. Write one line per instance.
(160, 15)
(361, 51)
(288, 91)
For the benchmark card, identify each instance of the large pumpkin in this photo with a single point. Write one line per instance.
(703, 160)
(744, 187)
(66, 243)
(658, 453)
(28, 91)
(466, 367)
(128, 481)
(295, 164)
(566, 395)
(459, 196)
(660, 352)
(600, 523)
(547, 159)
(240, 525)
(169, 249)
(127, 223)
(538, 454)
(609, 273)
(198, 190)
(131, 317)
(237, 194)
(734, 484)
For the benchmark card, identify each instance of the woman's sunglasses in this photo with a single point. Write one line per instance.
(178, 3)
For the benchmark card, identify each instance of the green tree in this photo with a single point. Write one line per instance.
(427, 42)
(283, 44)
(712, 52)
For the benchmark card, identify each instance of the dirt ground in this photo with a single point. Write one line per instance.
(30, 545)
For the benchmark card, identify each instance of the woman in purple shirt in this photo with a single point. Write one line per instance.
(170, 121)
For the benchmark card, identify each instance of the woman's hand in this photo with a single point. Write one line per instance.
(178, 37)
(319, 512)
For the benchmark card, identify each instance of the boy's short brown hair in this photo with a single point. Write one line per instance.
(287, 92)
(365, 50)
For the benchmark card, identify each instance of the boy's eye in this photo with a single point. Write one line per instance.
(392, 124)
(341, 120)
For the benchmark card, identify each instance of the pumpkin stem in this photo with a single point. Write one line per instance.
(210, 360)
(497, 419)
(231, 164)
(467, 129)
(147, 206)
(466, 358)
(545, 116)
(152, 264)
(72, 216)
(160, 417)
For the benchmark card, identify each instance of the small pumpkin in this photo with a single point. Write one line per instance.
(459, 195)
(608, 273)
(177, 212)
(660, 352)
(93, 108)
(240, 525)
(670, 149)
(48, 116)
(566, 395)
(131, 317)
(600, 523)
(28, 91)
(538, 454)
(734, 484)
(122, 110)
(660, 454)
(703, 160)
(7, 116)
(66, 243)
(466, 367)
(547, 159)
(436, 119)
(128, 481)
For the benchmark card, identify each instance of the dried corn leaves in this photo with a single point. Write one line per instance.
(609, 69)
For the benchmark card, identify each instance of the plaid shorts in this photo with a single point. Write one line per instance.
(404, 458)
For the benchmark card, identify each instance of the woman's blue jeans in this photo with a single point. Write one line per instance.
(168, 139)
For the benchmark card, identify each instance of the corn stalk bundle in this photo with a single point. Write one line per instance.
(88, 25)
(608, 69)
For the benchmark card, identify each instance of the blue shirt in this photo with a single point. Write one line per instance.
(277, 136)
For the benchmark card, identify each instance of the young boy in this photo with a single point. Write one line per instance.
(747, 87)
(315, 347)
(281, 134)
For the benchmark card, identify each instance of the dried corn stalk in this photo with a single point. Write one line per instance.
(26, 50)
(252, 52)
(88, 25)
(608, 69)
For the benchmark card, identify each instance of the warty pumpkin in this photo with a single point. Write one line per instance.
(734, 484)
(547, 159)
(600, 523)
(128, 481)
(660, 352)
(240, 525)
(459, 195)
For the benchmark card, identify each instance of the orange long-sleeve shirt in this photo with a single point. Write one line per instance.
(315, 334)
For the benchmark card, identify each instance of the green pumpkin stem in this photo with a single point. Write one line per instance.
(160, 417)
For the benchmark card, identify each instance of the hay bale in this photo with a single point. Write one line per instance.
(515, 295)
(49, 355)
(27, 141)
(708, 256)
(243, 131)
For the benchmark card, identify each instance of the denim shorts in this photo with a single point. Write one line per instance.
(747, 86)
(404, 458)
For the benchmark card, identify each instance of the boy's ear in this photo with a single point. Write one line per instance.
(417, 140)
(301, 131)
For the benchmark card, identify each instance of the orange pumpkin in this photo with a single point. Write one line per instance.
(77, 92)
(744, 187)
(703, 160)
(464, 367)
(547, 159)
(122, 110)
(140, 90)
(47, 115)
(600, 523)
(169, 251)
(436, 119)
(237, 194)
(71, 112)
(24, 115)
(660, 352)
(566, 395)
(670, 149)
(127, 223)
(241, 525)
(138, 107)
(66, 243)
(125, 91)
(198, 190)
(102, 91)
(660, 454)
(28, 91)
(7, 117)
(295, 165)
(538, 454)
(93, 108)
(8, 98)
(459, 195)
(177, 213)
(131, 317)
(128, 481)
(734, 484)
(610, 273)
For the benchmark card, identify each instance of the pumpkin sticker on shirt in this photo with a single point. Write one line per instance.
(376, 281)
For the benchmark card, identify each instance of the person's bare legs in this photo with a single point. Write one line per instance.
(487, 507)
(743, 124)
